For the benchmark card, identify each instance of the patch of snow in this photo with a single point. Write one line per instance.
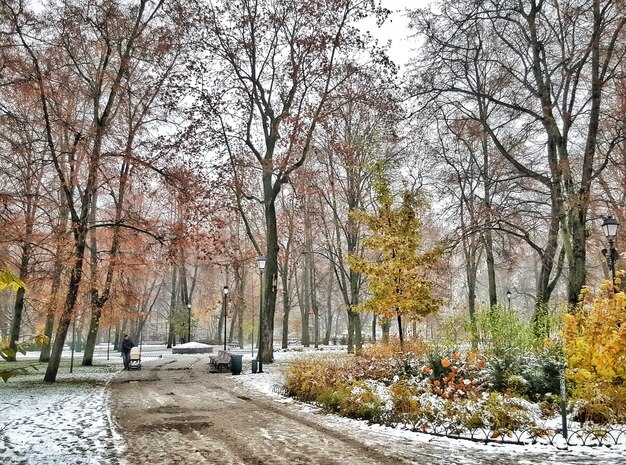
(65, 422)
(271, 380)
(193, 345)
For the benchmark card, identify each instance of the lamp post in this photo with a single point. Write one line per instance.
(188, 322)
(508, 297)
(261, 262)
(225, 298)
(609, 227)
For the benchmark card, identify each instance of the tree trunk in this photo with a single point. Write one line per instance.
(171, 336)
(76, 274)
(329, 311)
(374, 322)
(304, 315)
(18, 307)
(59, 233)
(96, 308)
(270, 275)
(385, 325)
(286, 305)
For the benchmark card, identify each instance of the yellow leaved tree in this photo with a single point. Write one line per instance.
(9, 280)
(397, 268)
(595, 345)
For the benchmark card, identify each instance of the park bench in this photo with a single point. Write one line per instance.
(222, 360)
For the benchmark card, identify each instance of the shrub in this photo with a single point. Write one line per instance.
(500, 330)
(595, 345)
(404, 396)
(307, 379)
(595, 338)
(452, 376)
(507, 414)
(355, 400)
(386, 362)
(600, 404)
(502, 368)
(542, 374)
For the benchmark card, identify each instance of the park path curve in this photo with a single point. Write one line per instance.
(175, 411)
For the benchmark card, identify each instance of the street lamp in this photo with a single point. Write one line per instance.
(508, 297)
(609, 227)
(261, 262)
(225, 298)
(189, 322)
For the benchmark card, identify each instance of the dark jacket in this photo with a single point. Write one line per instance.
(127, 344)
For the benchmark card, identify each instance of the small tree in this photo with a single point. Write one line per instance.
(8, 348)
(398, 278)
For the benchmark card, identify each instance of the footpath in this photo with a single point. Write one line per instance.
(175, 411)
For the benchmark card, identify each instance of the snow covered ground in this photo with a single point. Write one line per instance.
(270, 382)
(68, 422)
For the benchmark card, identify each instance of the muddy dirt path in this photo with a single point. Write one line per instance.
(175, 411)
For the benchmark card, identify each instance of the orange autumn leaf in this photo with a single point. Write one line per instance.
(480, 363)
(446, 363)
(471, 357)
(455, 356)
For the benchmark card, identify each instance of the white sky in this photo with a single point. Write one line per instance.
(396, 28)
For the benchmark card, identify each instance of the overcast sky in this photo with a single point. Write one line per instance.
(396, 28)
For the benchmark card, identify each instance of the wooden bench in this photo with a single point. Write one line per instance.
(222, 360)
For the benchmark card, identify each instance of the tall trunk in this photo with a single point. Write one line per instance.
(374, 322)
(240, 286)
(57, 271)
(304, 309)
(99, 299)
(96, 308)
(471, 253)
(171, 336)
(545, 285)
(270, 275)
(487, 237)
(385, 325)
(313, 303)
(329, 311)
(491, 268)
(286, 304)
(184, 301)
(18, 307)
(76, 274)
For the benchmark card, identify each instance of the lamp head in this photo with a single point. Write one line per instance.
(261, 262)
(609, 227)
(508, 295)
(225, 290)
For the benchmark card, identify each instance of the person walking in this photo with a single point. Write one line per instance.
(127, 344)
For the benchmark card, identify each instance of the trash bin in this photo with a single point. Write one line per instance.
(235, 364)
(255, 365)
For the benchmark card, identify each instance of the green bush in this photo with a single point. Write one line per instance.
(354, 400)
(543, 375)
(533, 376)
(500, 330)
